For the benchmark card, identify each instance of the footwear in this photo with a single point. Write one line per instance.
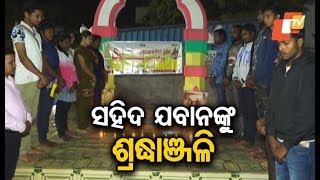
(27, 158)
(241, 142)
(260, 155)
(248, 144)
(252, 142)
(255, 151)
(71, 133)
(67, 138)
(91, 129)
(245, 143)
(238, 136)
(36, 152)
(81, 131)
(49, 144)
(237, 139)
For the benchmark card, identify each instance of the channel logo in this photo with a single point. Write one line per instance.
(291, 23)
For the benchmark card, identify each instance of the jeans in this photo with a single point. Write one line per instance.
(221, 95)
(61, 117)
(232, 96)
(44, 111)
(249, 112)
(299, 164)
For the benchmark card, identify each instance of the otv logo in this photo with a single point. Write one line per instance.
(291, 23)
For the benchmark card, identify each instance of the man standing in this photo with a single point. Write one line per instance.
(230, 90)
(53, 74)
(98, 69)
(28, 75)
(17, 119)
(217, 71)
(264, 54)
(246, 95)
(290, 117)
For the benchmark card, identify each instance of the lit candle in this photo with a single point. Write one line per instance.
(191, 137)
(114, 135)
(101, 134)
(153, 135)
(133, 134)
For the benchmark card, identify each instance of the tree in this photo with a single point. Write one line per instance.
(162, 12)
(223, 9)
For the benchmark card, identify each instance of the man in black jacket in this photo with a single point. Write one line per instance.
(290, 117)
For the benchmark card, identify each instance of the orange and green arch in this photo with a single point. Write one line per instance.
(195, 38)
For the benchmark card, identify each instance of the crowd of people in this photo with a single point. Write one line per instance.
(270, 82)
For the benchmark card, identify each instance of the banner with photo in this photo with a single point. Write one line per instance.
(143, 57)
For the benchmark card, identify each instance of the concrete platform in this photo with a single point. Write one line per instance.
(89, 157)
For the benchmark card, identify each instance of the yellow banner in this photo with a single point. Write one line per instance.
(143, 57)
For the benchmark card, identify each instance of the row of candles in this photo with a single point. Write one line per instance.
(133, 134)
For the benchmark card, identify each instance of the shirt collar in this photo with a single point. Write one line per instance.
(10, 79)
(247, 44)
(25, 24)
(223, 44)
(46, 42)
(238, 43)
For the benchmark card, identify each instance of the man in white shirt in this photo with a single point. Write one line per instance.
(28, 75)
(246, 94)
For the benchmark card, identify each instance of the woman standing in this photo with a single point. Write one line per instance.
(84, 59)
(68, 94)
(98, 69)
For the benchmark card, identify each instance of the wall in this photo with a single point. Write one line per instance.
(160, 89)
(310, 27)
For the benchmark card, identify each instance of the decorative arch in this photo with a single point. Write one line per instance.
(192, 10)
(195, 37)
(105, 18)
(195, 18)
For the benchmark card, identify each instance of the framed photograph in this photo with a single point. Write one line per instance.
(192, 98)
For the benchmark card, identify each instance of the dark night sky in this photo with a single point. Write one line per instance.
(67, 13)
(71, 13)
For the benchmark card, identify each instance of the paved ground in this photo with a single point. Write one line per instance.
(78, 158)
